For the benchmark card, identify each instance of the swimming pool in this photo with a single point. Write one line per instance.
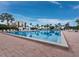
(52, 37)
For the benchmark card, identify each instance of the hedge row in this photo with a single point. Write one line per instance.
(5, 27)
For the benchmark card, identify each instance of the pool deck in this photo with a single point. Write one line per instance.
(11, 46)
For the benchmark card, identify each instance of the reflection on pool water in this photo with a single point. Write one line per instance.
(47, 35)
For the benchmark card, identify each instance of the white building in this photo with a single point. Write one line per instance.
(21, 25)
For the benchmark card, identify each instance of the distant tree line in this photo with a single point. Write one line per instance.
(9, 19)
(5, 27)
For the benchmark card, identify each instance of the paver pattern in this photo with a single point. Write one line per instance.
(11, 46)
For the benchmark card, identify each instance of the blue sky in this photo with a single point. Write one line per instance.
(42, 12)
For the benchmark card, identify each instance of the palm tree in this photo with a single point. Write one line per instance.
(6, 16)
(1, 18)
(47, 26)
(67, 26)
(56, 26)
(77, 21)
(30, 23)
(18, 24)
(50, 24)
(37, 25)
(25, 24)
(42, 26)
(59, 25)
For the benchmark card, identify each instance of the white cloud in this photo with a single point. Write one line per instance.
(20, 17)
(53, 21)
(40, 21)
(55, 2)
(23, 18)
(76, 7)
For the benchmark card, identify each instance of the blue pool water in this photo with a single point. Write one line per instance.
(50, 36)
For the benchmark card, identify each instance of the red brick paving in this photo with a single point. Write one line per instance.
(17, 47)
